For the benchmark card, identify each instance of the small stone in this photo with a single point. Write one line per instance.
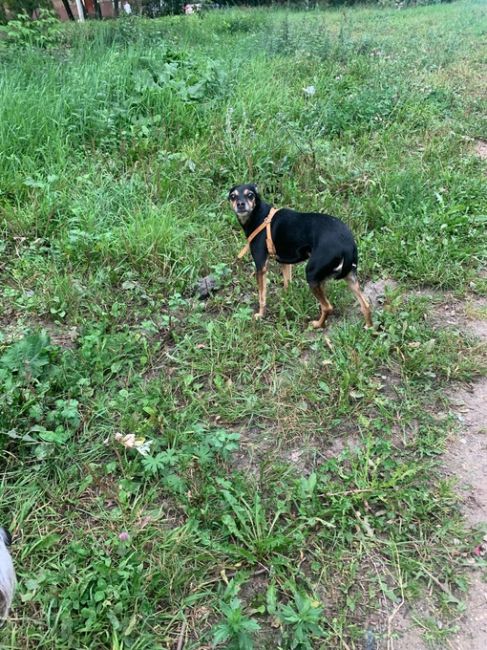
(205, 287)
(370, 642)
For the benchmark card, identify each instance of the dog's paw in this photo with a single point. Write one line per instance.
(258, 315)
(316, 324)
(374, 330)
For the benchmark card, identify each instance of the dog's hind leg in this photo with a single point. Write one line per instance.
(325, 305)
(354, 286)
(287, 274)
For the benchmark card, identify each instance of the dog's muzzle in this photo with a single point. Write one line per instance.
(242, 215)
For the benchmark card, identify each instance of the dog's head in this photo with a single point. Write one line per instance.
(244, 200)
(7, 573)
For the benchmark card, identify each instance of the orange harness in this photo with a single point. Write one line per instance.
(271, 249)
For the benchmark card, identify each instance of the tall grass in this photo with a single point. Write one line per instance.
(131, 107)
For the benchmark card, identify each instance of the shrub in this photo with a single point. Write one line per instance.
(46, 31)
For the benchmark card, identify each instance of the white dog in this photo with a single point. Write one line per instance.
(7, 574)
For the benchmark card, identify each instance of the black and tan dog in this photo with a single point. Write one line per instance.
(324, 241)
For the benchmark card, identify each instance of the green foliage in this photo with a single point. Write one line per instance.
(173, 468)
(35, 408)
(236, 629)
(11, 8)
(44, 32)
(240, 23)
(305, 620)
(28, 358)
(27, 6)
(190, 79)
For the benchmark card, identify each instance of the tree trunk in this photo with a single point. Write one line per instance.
(116, 9)
(81, 11)
(68, 9)
(98, 13)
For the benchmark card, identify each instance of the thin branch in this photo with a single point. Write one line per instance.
(182, 633)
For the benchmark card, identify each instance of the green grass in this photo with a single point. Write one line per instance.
(292, 490)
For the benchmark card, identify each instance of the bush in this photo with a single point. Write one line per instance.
(46, 31)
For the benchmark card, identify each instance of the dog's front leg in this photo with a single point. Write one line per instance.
(262, 285)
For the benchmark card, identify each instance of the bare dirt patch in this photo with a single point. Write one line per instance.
(466, 458)
(255, 446)
(465, 462)
(410, 635)
(473, 634)
(62, 335)
(469, 315)
(376, 292)
(481, 149)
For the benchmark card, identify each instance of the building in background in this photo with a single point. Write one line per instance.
(107, 8)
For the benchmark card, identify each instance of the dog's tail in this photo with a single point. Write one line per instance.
(7, 574)
(348, 265)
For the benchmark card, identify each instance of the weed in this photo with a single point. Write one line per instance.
(304, 618)
(236, 629)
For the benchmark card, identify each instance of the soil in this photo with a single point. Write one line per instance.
(466, 458)
(64, 336)
(481, 149)
(465, 461)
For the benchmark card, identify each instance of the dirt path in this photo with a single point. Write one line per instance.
(466, 462)
(466, 458)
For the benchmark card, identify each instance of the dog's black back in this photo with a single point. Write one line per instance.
(299, 235)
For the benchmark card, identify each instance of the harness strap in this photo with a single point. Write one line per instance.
(271, 249)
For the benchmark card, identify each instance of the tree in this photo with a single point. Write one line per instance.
(68, 9)
(16, 7)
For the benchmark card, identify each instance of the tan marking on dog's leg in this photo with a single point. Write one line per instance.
(287, 274)
(364, 305)
(325, 305)
(261, 283)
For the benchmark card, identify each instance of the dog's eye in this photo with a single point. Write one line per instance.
(250, 195)
(233, 197)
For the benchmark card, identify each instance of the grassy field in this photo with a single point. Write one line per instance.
(291, 495)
